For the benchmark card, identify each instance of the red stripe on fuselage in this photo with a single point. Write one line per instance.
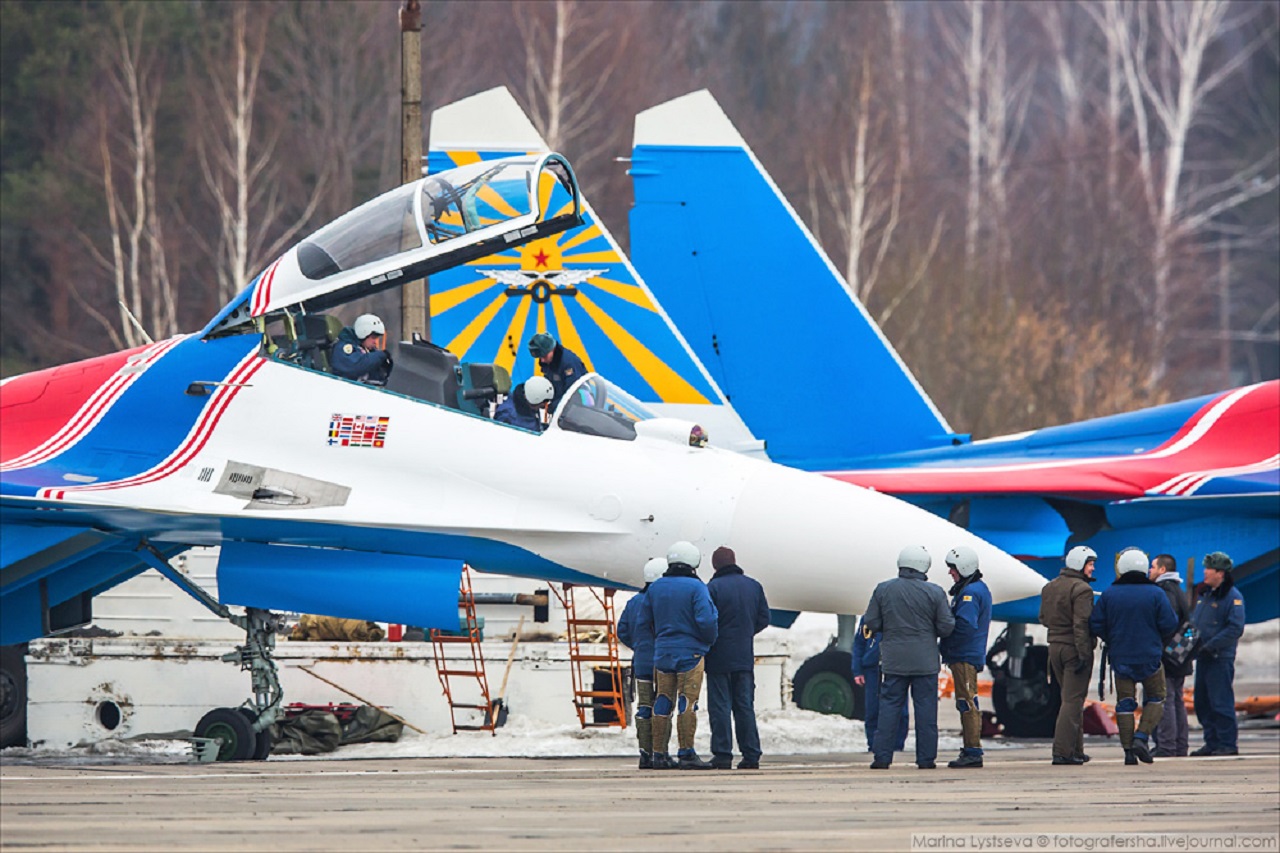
(1243, 431)
(33, 407)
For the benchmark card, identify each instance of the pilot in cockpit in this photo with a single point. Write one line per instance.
(526, 404)
(356, 355)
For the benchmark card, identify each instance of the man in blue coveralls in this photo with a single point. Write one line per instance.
(684, 621)
(743, 612)
(1134, 618)
(965, 651)
(1219, 617)
(356, 355)
(638, 636)
(865, 663)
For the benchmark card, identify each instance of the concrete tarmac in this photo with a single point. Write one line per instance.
(831, 802)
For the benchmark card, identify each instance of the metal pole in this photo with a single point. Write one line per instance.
(414, 316)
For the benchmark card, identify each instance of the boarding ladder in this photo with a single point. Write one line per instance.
(608, 706)
(462, 668)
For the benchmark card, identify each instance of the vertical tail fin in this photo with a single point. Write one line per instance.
(798, 355)
(578, 286)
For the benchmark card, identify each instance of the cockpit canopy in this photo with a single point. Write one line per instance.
(595, 406)
(438, 222)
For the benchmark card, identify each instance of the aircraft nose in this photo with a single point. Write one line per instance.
(823, 545)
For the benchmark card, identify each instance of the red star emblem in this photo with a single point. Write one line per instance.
(540, 258)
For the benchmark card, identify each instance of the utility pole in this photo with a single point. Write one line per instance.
(414, 316)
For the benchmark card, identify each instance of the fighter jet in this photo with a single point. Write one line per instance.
(337, 496)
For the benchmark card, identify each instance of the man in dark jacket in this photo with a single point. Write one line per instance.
(1219, 617)
(1173, 732)
(1134, 618)
(965, 651)
(522, 405)
(865, 663)
(1066, 602)
(912, 615)
(356, 354)
(679, 611)
(638, 636)
(730, 665)
(558, 364)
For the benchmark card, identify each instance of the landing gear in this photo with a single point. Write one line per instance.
(13, 696)
(244, 733)
(824, 683)
(1025, 699)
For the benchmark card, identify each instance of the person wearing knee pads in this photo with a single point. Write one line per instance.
(965, 651)
(684, 622)
(638, 636)
(1134, 618)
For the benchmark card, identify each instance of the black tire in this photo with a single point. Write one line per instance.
(13, 696)
(824, 683)
(1026, 706)
(233, 728)
(262, 740)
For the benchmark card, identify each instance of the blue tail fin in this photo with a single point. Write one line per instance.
(796, 353)
(578, 286)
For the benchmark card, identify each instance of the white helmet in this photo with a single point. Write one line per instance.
(915, 557)
(1132, 560)
(368, 324)
(538, 390)
(654, 569)
(963, 559)
(1078, 556)
(684, 552)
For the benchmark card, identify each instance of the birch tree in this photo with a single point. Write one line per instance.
(1164, 51)
(135, 260)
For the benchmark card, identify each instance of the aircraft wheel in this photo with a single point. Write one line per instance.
(1027, 706)
(13, 696)
(262, 742)
(234, 730)
(824, 683)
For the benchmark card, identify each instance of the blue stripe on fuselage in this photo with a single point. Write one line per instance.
(146, 424)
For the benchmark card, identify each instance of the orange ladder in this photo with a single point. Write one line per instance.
(588, 698)
(469, 633)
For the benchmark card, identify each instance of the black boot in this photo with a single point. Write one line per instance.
(1141, 752)
(1130, 759)
(646, 760)
(966, 760)
(690, 761)
(662, 761)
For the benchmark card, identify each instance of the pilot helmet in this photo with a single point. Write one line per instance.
(541, 345)
(963, 559)
(538, 390)
(915, 557)
(686, 553)
(368, 324)
(1078, 556)
(654, 569)
(1132, 560)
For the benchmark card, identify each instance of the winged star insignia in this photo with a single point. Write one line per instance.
(542, 285)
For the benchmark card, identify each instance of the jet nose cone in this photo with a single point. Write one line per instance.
(819, 544)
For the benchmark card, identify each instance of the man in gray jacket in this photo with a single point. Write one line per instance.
(911, 615)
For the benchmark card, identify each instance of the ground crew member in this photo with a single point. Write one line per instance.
(743, 612)
(558, 364)
(866, 672)
(1219, 617)
(1173, 731)
(679, 611)
(523, 404)
(965, 651)
(356, 354)
(1134, 618)
(911, 615)
(1066, 603)
(638, 636)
